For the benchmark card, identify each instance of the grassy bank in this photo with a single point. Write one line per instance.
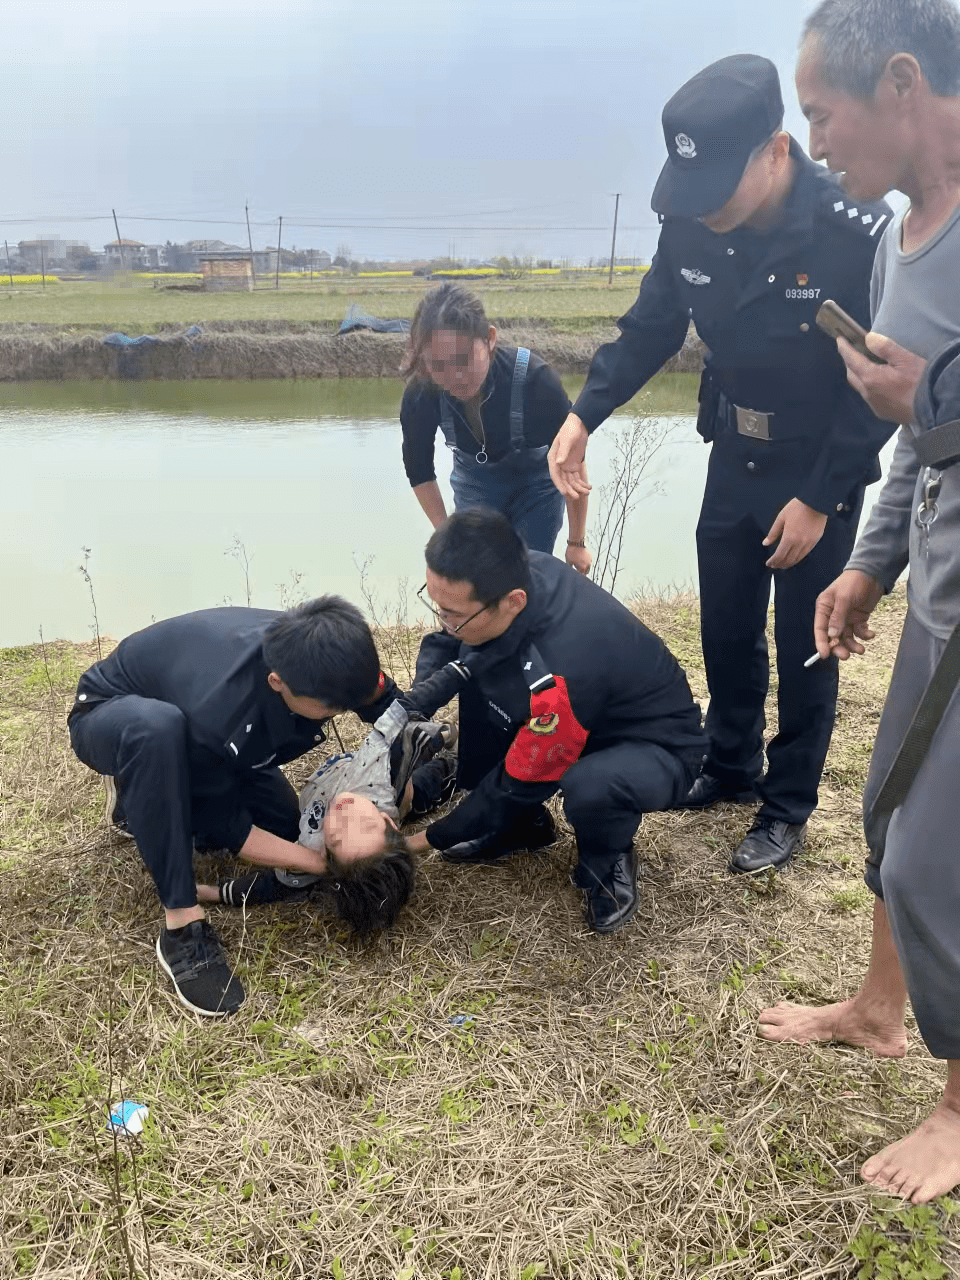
(601, 1108)
(290, 332)
(248, 352)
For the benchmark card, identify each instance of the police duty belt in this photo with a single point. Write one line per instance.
(748, 422)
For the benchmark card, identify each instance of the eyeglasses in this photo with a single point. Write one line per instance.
(438, 613)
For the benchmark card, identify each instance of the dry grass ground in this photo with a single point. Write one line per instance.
(490, 1092)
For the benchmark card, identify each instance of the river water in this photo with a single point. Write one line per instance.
(171, 486)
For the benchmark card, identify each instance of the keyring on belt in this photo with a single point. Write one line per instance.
(926, 515)
(929, 509)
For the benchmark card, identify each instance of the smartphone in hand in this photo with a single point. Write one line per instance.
(832, 319)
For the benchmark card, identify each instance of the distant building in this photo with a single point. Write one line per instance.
(203, 247)
(130, 254)
(40, 254)
(265, 261)
(80, 257)
(227, 270)
(156, 258)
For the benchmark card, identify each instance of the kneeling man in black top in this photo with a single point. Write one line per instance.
(189, 721)
(568, 692)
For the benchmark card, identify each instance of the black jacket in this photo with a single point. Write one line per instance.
(545, 406)
(613, 681)
(765, 351)
(210, 665)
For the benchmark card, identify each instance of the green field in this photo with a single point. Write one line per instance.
(135, 306)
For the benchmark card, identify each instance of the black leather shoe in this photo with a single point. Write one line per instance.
(768, 843)
(534, 833)
(612, 894)
(708, 791)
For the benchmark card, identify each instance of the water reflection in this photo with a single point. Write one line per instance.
(159, 479)
(266, 400)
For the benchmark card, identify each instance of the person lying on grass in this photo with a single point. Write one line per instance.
(350, 810)
(189, 721)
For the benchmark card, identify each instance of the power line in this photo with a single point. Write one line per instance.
(341, 226)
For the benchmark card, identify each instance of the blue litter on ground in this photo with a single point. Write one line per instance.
(357, 318)
(146, 339)
(127, 1117)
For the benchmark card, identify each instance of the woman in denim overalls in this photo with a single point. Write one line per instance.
(499, 409)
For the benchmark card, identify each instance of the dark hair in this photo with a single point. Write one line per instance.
(858, 38)
(449, 306)
(323, 649)
(481, 547)
(762, 146)
(369, 893)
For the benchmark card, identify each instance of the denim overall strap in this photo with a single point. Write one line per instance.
(517, 442)
(446, 423)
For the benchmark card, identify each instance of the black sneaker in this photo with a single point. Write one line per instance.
(113, 810)
(433, 784)
(418, 742)
(193, 958)
(260, 887)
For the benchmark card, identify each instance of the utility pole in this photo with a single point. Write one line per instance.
(9, 267)
(119, 241)
(43, 270)
(253, 269)
(276, 283)
(613, 246)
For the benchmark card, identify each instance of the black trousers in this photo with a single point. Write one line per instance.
(605, 794)
(143, 744)
(734, 598)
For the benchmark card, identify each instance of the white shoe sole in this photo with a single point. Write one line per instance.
(204, 1013)
(110, 807)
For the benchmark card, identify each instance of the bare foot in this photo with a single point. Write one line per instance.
(845, 1022)
(922, 1166)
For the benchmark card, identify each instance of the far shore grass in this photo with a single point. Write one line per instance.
(489, 1093)
(134, 306)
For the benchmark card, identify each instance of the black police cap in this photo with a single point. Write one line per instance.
(711, 125)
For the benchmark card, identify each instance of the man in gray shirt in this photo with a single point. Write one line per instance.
(879, 81)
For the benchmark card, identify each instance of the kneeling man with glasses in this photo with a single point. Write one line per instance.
(568, 692)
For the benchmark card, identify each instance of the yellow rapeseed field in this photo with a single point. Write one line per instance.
(7, 279)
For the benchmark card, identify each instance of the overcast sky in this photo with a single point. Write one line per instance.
(411, 123)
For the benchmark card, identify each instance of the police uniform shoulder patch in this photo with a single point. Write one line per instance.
(550, 741)
(864, 219)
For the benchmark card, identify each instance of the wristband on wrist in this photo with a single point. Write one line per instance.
(576, 542)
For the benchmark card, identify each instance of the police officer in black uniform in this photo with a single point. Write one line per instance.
(754, 238)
